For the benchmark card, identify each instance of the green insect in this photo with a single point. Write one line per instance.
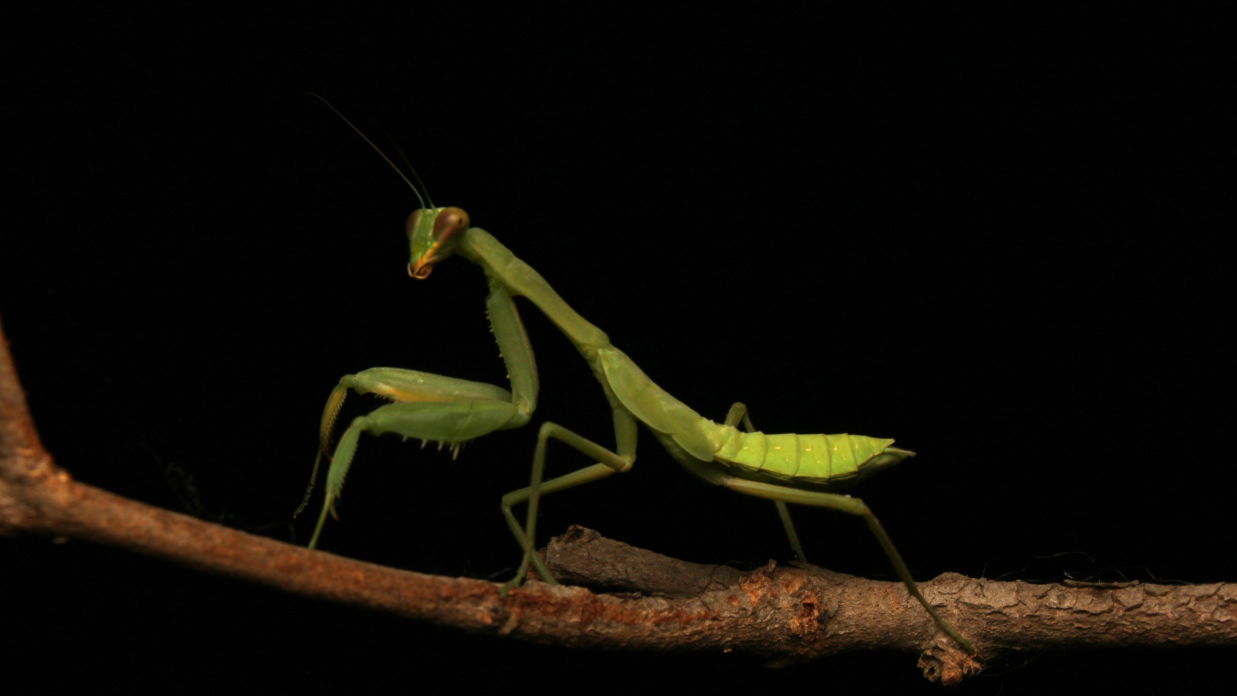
(785, 468)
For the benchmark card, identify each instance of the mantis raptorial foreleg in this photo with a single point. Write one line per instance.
(434, 407)
(396, 384)
(448, 422)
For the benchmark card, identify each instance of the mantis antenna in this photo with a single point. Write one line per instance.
(417, 192)
(404, 158)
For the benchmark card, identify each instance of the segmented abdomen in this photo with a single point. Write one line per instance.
(808, 458)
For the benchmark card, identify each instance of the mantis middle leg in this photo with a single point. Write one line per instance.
(609, 463)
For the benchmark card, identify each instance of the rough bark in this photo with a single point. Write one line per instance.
(643, 601)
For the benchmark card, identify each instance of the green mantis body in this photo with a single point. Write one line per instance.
(785, 468)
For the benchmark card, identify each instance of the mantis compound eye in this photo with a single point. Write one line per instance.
(448, 223)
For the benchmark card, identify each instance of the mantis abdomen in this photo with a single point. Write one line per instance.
(822, 461)
(814, 459)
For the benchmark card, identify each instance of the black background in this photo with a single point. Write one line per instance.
(997, 238)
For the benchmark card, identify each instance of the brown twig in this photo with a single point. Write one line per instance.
(783, 614)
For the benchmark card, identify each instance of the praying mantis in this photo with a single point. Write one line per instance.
(785, 468)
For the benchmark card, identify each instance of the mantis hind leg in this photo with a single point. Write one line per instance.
(609, 463)
(793, 536)
(853, 506)
(738, 412)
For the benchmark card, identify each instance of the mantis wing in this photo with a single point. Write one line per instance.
(651, 404)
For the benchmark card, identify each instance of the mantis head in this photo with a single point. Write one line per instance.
(433, 234)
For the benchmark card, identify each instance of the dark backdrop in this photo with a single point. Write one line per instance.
(993, 237)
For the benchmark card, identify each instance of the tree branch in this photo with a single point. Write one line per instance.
(654, 603)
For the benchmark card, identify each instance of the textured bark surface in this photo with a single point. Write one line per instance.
(1003, 615)
(644, 601)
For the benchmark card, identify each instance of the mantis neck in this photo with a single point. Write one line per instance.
(521, 280)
